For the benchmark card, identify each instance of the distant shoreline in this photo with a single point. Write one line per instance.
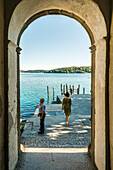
(57, 72)
(66, 70)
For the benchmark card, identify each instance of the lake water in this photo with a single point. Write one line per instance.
(33, 86)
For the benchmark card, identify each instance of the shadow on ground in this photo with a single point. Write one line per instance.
(76, 135)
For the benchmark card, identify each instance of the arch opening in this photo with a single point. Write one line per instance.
(92, 25)
(66, 61)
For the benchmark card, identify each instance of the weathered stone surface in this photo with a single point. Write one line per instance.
(11, 122)
(0, 106)
(12, 105)
(111, 94)
(55, 161)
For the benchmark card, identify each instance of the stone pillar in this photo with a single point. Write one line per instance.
(18, 49)
(111, 93)
(92, 146)
(12, 105)
(2, 141)
(100, 103)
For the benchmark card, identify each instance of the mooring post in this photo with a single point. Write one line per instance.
(53, 94)
(66, 87)
(79, 89)
(73, 89)
(48, 93)
(61, 90)
(83, 90)
(70, 88)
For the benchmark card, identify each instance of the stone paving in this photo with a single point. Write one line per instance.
(77, 135)
(57, 134)
(55, 161)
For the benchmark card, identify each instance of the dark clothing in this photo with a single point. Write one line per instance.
(71, 91)
(42, 124)
(41, 110)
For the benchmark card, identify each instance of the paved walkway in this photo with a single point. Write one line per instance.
(51, 160)
(61, 147)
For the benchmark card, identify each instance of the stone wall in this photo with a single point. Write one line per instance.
(2, 165)
(111, 92)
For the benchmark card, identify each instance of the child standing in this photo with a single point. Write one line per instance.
(42, 115)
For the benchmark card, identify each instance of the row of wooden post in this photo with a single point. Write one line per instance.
(48, 93)
(71, 89)
(63, 90)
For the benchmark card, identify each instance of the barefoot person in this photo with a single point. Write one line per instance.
(66, 106)
(42, 115)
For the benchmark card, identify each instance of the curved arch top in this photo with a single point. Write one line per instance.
(85, 12)
(56, 12)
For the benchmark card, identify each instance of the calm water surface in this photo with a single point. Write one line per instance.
(33, 86)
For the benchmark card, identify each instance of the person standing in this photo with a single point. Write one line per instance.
(42, 115)
(66, 106)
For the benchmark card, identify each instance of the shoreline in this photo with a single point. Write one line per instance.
(56, 73)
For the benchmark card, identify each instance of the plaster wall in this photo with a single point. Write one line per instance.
(111, 93)
(2, 85)
(12, 105)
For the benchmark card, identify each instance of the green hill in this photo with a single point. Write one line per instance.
(82, 69)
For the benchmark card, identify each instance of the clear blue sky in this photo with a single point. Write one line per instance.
(54, 41)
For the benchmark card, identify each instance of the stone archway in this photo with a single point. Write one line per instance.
(88, 14)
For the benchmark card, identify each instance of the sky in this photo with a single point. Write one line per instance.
(54, 41)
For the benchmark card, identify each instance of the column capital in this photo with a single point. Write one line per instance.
(18, 49)
(15, 46)
(12, 44)
(92, 48)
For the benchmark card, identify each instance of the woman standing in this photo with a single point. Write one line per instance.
(66, 106)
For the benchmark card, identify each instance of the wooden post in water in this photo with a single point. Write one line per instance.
(53, 94)
(61, 90)
(70, 88)
(48, 94)
(64, 89)
(79, 89)
(83, 90)
(73, 89)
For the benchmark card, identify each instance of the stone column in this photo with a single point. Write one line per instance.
(2, 117)
(12, 105)
(100, 103)
(18, 49)
(111, 92)
(92, 146)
